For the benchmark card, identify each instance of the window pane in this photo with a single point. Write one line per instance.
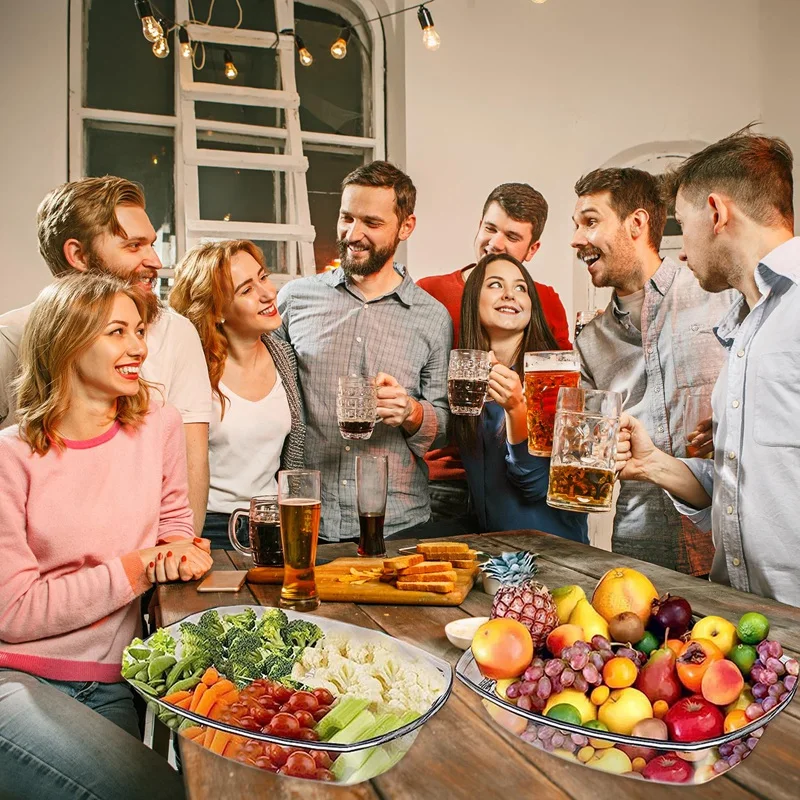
(256, 67)
(326, 168)
(332, 92)
(121, 71)
(146, 158)
(246, 115)
(257, 15)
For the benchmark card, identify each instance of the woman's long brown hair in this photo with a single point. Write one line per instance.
(472, 336)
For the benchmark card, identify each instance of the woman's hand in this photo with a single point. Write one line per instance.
(505, 387)
(181, 560)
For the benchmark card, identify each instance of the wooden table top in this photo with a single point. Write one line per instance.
(460, 753)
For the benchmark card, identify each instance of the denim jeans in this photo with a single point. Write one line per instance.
(452, 507)
(60, 739)
(216, 530)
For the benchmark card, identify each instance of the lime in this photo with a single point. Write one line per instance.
(744, 656)
(647, 643)
(564, 712)
(752, 628)
(596, 725)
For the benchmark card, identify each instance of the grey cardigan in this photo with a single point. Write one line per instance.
(286, 365)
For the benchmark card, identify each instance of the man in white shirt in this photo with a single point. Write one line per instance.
(101, 224)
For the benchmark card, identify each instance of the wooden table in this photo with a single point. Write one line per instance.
(460, 753)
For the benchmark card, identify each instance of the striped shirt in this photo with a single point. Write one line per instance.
(334, 332)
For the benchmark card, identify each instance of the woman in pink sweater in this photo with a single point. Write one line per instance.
(93, 511)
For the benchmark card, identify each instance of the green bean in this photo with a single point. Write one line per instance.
(143, 687)
(159, 665)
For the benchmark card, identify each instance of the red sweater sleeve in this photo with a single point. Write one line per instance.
(555, 315)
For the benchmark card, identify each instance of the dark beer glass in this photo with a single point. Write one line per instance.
(265, 531)
(467, 381)
(356, 406)
(372, 480)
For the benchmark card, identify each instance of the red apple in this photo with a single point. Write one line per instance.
(668, 768)
(693, 719)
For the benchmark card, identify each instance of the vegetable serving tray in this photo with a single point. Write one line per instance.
(331, 588)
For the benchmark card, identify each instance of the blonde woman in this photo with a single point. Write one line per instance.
(257, 426)
(93, 510)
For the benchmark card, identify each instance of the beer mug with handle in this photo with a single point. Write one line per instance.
(265, 531)
(585, 439)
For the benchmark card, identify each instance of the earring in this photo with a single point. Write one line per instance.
(222, 321)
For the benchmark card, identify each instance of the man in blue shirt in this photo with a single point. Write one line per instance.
(734, 203)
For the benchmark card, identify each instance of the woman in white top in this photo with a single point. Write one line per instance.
(257, 427)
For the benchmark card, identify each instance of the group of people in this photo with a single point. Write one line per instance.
(134, 429)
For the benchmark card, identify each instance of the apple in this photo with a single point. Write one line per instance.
(506, 719)
(693, 719)
(623, 709)
(668, 768)
(613, 761)
(646, 729)
(718, 630)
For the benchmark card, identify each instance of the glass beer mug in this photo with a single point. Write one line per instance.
(585, 438)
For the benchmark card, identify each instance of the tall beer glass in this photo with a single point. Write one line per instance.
(372, 478)
(356, 406)
(300, 508)
(545, 373)
(584, 450)
(467, 381)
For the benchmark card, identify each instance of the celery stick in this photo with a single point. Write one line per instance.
(340, 716)
(348, 763)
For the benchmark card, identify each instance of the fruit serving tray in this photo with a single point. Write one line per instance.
(684, 763)
(386, 749)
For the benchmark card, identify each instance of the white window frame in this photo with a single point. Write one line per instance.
(132, 121)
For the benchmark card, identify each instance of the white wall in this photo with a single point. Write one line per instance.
(33, 137)
(545, 93)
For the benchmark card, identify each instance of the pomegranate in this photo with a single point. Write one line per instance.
(693, 719)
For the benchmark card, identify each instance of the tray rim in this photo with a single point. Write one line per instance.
(441, 665)
(487, 693)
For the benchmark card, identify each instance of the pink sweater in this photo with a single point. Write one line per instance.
(70, 525)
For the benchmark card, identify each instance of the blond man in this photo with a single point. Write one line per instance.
(100, 225)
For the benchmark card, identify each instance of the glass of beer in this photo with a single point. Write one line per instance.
(356, 406)
(372, 479)
(582, 470)
(696, 409)
(300, 508)
(545, 373)
(467, 381)
(265, 531)
(583, 318)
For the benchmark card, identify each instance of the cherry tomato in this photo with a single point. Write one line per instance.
(277, 754)
(284, 725)
(252, 748)
(263, 715)
(301, 765)
(304, 701)
(263, 762)
(305, 718)
(324, 697)
(321, 757)
(308, 735)
(324, 775)
(267, 701)
(238, 709)
(321, 712)
(281, 693)
(248, 723)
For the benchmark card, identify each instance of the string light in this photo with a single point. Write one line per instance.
(303, 53)
(230, 68)
(339, 47)
(151, 27)
(539, 2)
(186, 45)
(430, 37)
(161, 47)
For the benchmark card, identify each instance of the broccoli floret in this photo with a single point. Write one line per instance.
(161, 640)
(245, 621)
(270, 629)
(212, 624)
(277, 666)
(301, 634)
(198, 645)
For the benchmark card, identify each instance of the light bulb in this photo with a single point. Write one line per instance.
(539, 2)
(161, 48)
(230, 68)
(339, 47)
(151, 27)
(186, 45)
(303, 53)
(430, 38)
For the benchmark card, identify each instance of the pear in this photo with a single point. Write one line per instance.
(566, 598)
(658, 678)
(591, 622)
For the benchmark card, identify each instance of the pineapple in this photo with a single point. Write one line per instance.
(520, 597)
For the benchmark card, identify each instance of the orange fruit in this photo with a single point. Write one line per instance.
(736, 719)
(624, 589)
(619, 673)
(503, 648)
(660, 708)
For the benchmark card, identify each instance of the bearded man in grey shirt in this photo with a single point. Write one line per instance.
(653, 344)
(734, 202)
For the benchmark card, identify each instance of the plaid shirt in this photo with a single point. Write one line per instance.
(334, 332)
(653, 369)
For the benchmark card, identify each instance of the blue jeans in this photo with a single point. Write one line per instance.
(451, 507)
(63, 739)
(216, 530)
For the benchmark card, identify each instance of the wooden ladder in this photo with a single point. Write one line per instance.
(296, 231)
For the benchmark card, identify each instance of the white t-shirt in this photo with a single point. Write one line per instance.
(633, 303)
(175, 360)
(244, 448)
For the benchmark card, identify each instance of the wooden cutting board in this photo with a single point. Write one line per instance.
(330, 588)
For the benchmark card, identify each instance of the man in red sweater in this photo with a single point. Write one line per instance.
(512, 222)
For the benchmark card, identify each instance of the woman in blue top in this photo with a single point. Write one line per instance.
(500, 312)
